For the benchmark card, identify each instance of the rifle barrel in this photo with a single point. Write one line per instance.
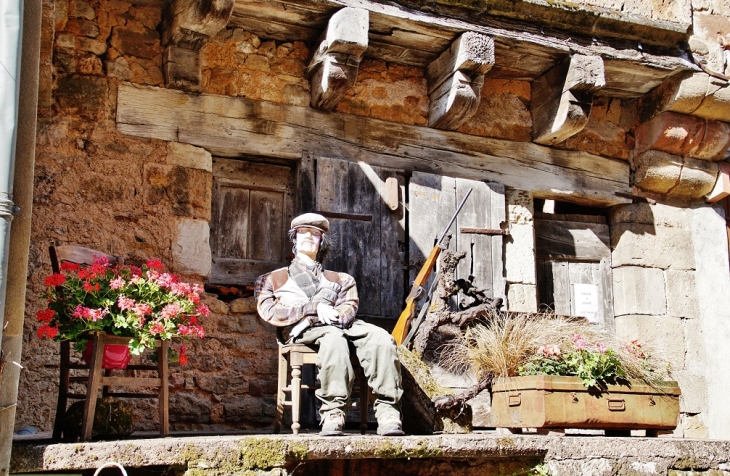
(453, 218)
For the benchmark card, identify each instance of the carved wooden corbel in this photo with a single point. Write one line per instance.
(336, 59)
(562, 98)
(455, 80)
(186, 24)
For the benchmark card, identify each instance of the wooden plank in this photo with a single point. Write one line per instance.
(561, 287)
(603, 274)
(231, 222)
(475, 213)
(497, 216)
(239, 271)
(431, 203)
(581, 273)
(572, 240)
(266, 238)
(392, 255)
(235, 126)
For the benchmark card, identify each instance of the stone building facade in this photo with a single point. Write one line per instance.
(134, 122)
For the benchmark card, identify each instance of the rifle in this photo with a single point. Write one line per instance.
(404, 321)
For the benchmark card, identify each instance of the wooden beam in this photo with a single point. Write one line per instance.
(186, 25)
(562, 98)
(455, 80)
(238, 127)
(333, 68)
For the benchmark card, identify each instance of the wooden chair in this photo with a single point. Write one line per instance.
(96, 375)
(294, 356)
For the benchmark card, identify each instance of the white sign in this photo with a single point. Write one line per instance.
(585, 300)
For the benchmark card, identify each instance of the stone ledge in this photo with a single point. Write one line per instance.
(221, 454)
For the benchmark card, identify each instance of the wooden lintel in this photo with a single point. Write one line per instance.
(236, 127)
(562, 98)
(336, 59)
(455, 80)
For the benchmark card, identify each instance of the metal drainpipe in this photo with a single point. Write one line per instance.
(20, 25)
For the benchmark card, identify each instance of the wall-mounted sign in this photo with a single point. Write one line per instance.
(585, 301)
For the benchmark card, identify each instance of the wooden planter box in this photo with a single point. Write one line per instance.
(543, 401)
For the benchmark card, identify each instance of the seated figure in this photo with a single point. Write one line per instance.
(318, 307)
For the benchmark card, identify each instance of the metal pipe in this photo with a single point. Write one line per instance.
(20, 25)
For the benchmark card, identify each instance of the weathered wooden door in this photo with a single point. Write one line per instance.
(574, 266)
(252, 209)
(433, 199)
(367, 237)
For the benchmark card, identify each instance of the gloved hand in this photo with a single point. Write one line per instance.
(327, 314)
(327, 293)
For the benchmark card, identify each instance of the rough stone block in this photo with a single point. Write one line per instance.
(694, 391)
(662, 336)
(81, 9)
(656, 171)
(638, 291)
(684, 135)
(695, 357)
(216, 305)
(656, 214)
(693, 426)
(520, 206)
(652, 246)
(243, 306)
(520, 255)
(186, 155)
(681, 294)
(191, 249)
(697, 179)
(118, 70)
(83, 95)
(81, 27)
(92, 46)
(187, 191)
(142, 44)
(522, 297)
(65, 40)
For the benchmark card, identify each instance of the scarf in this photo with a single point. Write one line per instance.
(306, 277)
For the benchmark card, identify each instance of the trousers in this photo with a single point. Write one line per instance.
(376, 351)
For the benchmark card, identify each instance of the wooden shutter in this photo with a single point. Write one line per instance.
(574, 250)
(433, 200)
(366, 236)
(252, 209)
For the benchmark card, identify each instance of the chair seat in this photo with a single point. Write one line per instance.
(291, 359)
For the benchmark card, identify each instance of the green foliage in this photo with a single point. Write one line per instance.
(594, 367)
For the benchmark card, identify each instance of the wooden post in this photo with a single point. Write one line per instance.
(562, 98)
(333, 68)
(455, 80)
(186, 25)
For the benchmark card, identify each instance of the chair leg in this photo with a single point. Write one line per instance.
(296, 395)
(164, 394)
(63, 383)
(92, 388)
(280, 394)
(364, 402)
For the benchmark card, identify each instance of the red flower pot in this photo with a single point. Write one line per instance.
(116, 356)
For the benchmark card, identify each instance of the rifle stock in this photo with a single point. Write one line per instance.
(400, 331)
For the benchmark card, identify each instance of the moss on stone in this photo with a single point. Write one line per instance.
(389, 450)
(424, 450)
(262, 453)
(420, 371)
(506, 442)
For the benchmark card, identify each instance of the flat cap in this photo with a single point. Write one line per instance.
(314, 220)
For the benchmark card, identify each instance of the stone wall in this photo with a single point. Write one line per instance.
(657, 269)
(143, 198)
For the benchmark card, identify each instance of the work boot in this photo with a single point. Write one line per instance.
(390, 425)
(333, 422)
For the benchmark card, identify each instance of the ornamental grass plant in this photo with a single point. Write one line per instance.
(143, 303)
(516, 344)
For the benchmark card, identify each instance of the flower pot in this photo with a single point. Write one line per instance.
(115, 356)
(544, 401)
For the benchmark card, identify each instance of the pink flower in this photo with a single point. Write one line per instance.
(579, 342)
(126, 303)
(155, 263)
(601, 348)
(171, 310)
(97, 314)
(142, 309)
(81, 312)
(157, 328)
(203, 310)
(549, 350)
(117, 283)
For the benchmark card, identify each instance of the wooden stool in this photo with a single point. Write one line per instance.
(97, 376)
(295, 356)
